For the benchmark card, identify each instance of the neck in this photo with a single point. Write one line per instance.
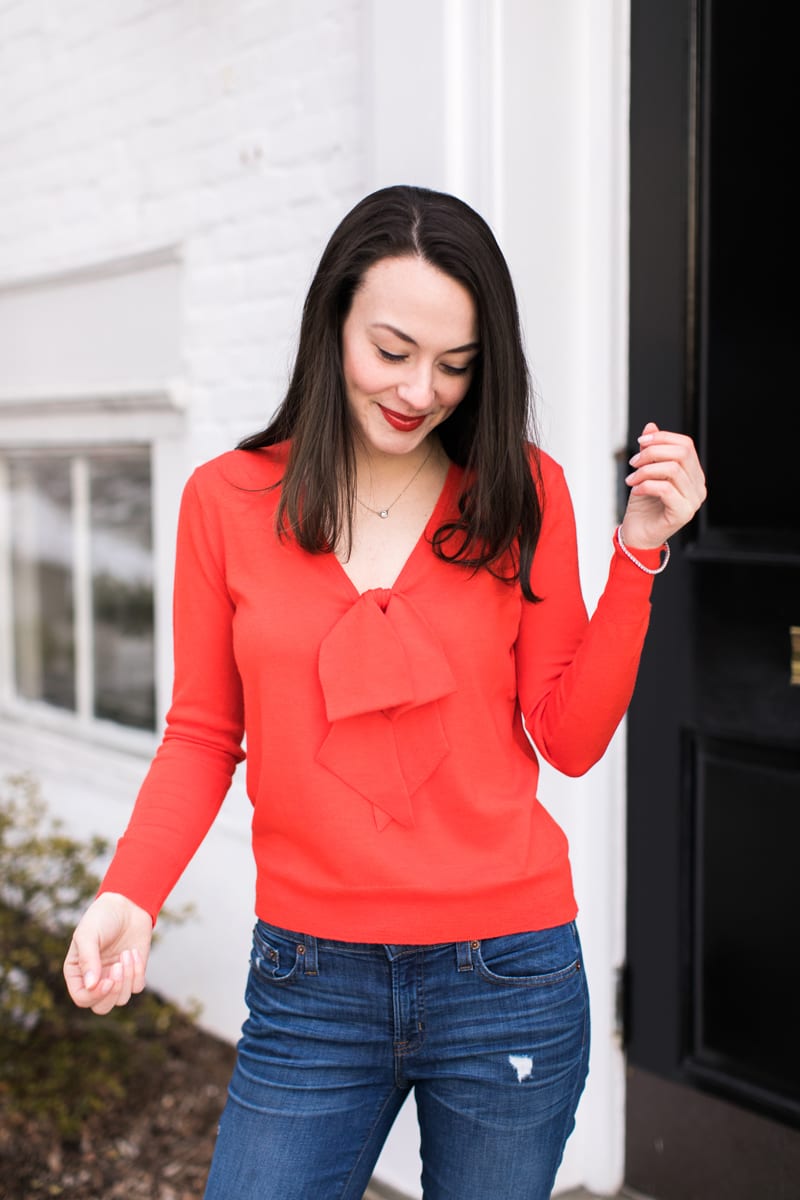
(381, 500)
(385, 470)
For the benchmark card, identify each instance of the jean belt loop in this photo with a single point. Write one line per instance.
(464, 955)
(310, 963)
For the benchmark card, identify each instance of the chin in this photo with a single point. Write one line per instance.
(401, 443)
(380, 437)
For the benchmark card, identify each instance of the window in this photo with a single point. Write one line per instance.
(80, 553)
(92, 439)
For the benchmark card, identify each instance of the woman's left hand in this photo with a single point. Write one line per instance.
(667, 488)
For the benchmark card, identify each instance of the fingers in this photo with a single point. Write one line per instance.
(85, 959)
(87, 982)
(667, 457)
(82, 969)
(659, 446)
(669, 480)
(111, 988)
(667, 486)
(106, 962)
(122, 975)
(127, 978)
(139, 968)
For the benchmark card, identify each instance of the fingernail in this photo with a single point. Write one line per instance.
(645, 438)
(628, 478)
(633, 461)
(89, 979)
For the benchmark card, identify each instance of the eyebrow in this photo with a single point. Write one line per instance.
(404, 337)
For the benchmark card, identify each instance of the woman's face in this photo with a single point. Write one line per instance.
(409, 343)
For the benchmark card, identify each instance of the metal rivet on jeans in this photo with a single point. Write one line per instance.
(475, 945)
(301, 949)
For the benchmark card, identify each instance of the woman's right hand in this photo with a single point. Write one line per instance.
(107, 958)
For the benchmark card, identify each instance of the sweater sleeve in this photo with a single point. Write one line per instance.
(576, 676)
(192, 769)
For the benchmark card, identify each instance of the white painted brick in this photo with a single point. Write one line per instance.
(234, 132)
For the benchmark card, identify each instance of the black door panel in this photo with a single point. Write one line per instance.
(714, 728)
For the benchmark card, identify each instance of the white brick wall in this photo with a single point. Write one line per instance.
(232, 130)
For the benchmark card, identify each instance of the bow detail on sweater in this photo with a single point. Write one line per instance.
(386, 734)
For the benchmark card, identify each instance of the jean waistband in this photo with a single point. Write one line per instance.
(309, 946)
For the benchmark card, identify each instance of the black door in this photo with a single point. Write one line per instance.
(713, 981)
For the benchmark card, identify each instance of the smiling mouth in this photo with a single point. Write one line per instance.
(399, 421)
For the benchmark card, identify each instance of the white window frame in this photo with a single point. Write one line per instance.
(83, 715)
(81, 721)
(96, 365)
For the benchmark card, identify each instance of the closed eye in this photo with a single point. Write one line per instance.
(447, 368)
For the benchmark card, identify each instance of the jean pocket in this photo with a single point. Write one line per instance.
(276, 954)
(540, 958)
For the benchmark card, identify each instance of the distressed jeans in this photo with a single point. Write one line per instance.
(492, 1035)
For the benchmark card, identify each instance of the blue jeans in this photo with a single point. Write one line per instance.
(492, 1035)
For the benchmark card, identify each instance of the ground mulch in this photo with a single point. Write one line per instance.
(157, 1144)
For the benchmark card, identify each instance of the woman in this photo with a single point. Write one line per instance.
(382, 590)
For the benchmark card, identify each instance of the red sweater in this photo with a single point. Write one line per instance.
(393, 785)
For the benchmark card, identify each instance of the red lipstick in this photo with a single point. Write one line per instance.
(398, 421)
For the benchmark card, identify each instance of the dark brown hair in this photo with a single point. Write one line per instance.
(489, 432)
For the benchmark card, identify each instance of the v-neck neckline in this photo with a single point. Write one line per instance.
(430, 526)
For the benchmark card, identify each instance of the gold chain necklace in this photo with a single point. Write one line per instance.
(383, 513)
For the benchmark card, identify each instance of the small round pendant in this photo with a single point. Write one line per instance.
(383, 513)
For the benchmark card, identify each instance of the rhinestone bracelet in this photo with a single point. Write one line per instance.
(635, 561)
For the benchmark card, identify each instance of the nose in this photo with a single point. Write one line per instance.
(417, 389)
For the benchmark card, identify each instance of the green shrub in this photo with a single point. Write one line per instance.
(58, 1063)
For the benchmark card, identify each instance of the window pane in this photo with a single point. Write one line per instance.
(41, 549)
(122, 589)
